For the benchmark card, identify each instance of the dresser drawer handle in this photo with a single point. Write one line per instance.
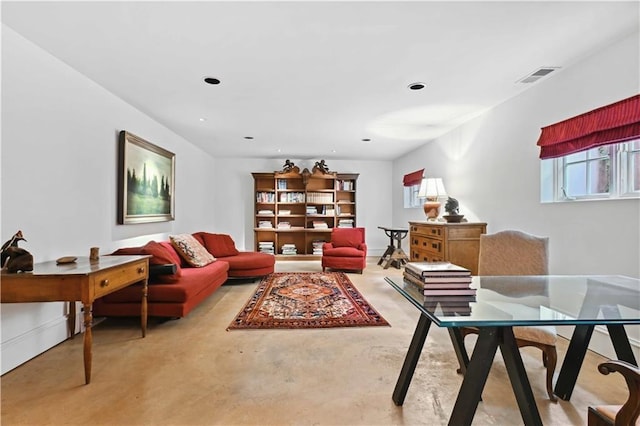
(104, 283)
(141, 270)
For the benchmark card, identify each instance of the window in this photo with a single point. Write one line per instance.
(411, 183)
(411, 199)
(604, 172)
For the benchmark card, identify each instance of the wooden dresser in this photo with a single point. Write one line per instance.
(457, 243)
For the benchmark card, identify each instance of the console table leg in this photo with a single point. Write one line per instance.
(88, 341)
(71, 319)
(143, 316)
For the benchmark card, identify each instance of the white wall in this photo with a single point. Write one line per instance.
(491, 166)
(235, 217)
(59, 175)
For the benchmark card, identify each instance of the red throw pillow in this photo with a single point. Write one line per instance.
(128, 251)
(219, 245)
(160, 256)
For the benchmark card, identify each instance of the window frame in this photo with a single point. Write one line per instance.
(620, 179)
(410, 197)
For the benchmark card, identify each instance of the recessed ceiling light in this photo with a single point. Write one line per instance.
(417, 86)
(211, 80)
(333, 150)
(248, 137)
(202, 119)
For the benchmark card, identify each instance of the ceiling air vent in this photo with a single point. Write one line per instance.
(537, 75)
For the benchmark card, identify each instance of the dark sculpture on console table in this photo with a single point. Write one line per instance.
(14, 258)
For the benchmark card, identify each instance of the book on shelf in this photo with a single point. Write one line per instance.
(288, 249)
(319, 224)
(266, 247)
(265, 224)
(437, 269)
(284, 225)
(284, 212)
(330, 212)
(345, 223)
(265, 212)
(265, 197)
(317, 246)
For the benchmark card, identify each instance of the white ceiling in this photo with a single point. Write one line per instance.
(312, 79)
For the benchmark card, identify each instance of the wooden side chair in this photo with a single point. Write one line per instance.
(627, 414)
(517, 253)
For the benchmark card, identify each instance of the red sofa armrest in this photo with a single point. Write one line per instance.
(363, 247)
(327, 246)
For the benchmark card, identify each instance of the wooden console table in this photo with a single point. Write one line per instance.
(83, 281)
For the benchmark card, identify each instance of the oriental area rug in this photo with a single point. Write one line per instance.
(298, 300)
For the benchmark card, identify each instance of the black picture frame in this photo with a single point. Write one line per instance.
(146, 181)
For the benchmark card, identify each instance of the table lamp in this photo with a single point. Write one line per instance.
(432, 189)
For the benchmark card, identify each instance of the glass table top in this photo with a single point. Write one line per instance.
(531, 300)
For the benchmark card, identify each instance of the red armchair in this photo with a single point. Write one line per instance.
(347, 250)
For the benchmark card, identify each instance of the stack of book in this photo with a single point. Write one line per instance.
(317, 247)
(319, 224)
(289, 249)
(266, 247)
(345, 223)
(284, 225)
(265, 212)
(439, 278)
(443, 283)
(265, 224)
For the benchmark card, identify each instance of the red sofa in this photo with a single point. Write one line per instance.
(174, 295)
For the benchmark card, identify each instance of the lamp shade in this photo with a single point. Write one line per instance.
(432, 188)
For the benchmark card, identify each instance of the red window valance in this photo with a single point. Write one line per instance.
(414, 178)
(614, 123)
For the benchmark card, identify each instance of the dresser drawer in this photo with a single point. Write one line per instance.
(427, 230)
(465, 232)
(423, 256)
(110, 280)
(425, 244)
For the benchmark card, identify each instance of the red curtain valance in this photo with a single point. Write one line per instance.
(414, 178)
(614, 123)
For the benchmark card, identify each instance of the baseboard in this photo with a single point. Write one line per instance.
(20, 349)
(601, 342)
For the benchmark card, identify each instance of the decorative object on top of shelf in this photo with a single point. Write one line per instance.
(289, 166)
(320, 166)
(451, 207)
(146, 181)
(14, 258)
(432, 189)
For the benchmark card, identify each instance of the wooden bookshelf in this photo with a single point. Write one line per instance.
(299, 209)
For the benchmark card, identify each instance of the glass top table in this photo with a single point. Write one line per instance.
(501, 302)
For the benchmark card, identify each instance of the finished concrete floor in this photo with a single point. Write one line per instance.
(192, 371)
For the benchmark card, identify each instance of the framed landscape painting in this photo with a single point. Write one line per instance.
(146, 181)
